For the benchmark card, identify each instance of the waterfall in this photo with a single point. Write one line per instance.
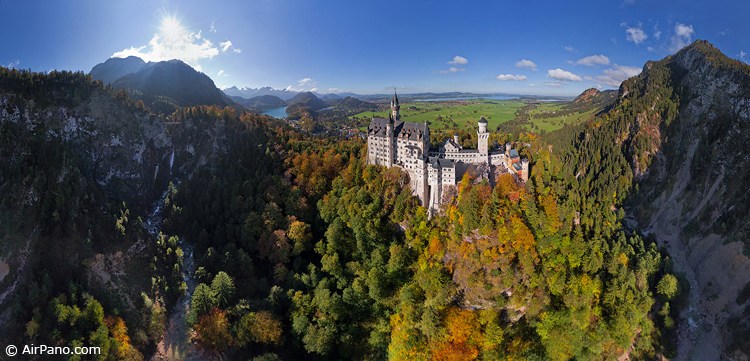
(171, 162)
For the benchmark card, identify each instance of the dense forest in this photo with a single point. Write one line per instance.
(303, 251)
(321, 255)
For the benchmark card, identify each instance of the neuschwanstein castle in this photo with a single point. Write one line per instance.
(392, 142)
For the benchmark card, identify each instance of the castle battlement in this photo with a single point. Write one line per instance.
(392, 142)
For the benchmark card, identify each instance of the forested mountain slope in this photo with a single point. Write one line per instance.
(687, 139)
(80, 167)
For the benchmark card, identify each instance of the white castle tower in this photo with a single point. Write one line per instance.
(483, 137)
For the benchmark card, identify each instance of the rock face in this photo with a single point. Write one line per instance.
(688, 148)
(587, 95)
(593, 97)
(125, 153)
(128, 152)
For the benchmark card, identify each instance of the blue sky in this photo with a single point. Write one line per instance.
(527, 47)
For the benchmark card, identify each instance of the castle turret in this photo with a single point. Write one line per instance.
(482, 125)
(455, 139)
(524, 169)
(483, 138)
(395, 107)
(391, 142)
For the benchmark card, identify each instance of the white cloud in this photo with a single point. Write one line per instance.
(237, 50)
(593, 60)
(570, 49)
(451, 70)
(635, 34)
(511, 77)
(13, 64)
(225, 45)
(683, 35)
(742, 55)
(213, 27)
(456, 65)
(560, 74)
(221, 72)
(683, 30)
(173, 42)
(304, 85)
(615, 75)
(525, 63)
(553, 83)
(657, 32)
(459, 60)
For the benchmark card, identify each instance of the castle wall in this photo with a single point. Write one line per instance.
(431, 173)
(497, 159)
(377, 150)
(466, 157)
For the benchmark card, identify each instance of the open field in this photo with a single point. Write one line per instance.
(552, 116)
(454, 114)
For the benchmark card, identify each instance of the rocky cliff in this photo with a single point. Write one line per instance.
(687, 136)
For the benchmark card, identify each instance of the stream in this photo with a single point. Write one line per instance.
(175, 344)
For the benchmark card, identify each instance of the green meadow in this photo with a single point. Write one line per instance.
(552, 116)
(454, 114)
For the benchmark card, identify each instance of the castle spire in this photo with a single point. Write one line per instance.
(395, 107)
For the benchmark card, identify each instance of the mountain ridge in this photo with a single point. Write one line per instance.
(682, 126)
(163, 86)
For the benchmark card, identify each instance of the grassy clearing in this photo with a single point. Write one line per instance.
(454, 114)
(551, 116)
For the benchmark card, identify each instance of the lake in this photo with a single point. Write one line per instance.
(279, 112)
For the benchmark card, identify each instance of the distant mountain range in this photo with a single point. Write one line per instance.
(286, 95)
(163, 86)
(260, 103)
(167, 85)
(249, 93)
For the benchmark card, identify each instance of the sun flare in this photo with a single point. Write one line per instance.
(171, 27)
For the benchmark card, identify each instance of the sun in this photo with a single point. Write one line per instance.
(171, 28)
